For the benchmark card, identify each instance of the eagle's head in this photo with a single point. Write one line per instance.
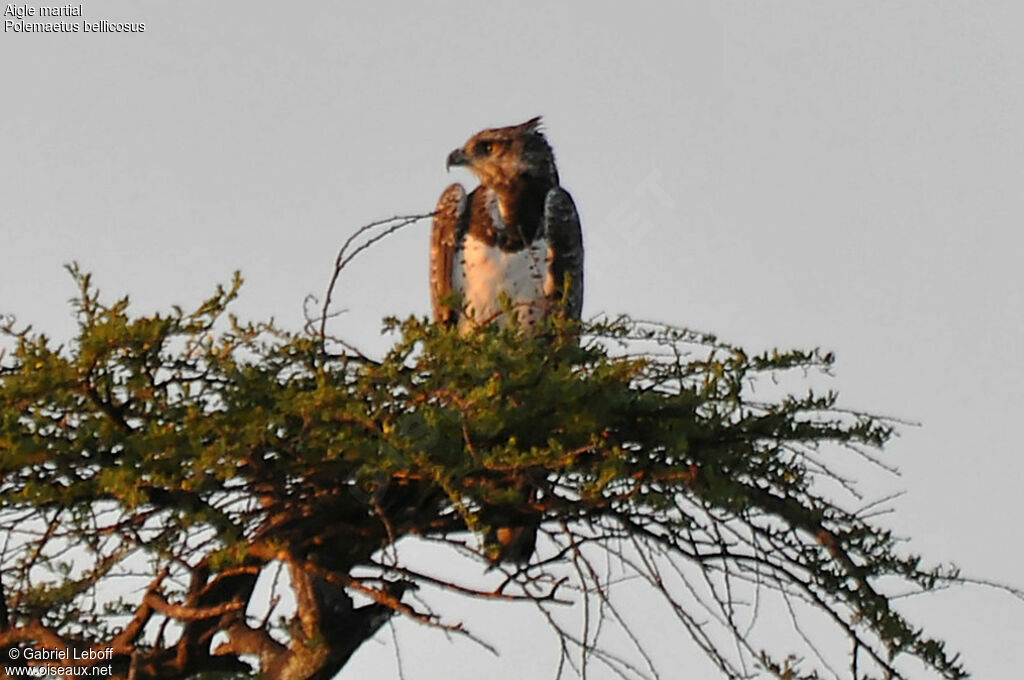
(502, 157)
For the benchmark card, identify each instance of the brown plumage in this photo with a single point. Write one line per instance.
(517, 233)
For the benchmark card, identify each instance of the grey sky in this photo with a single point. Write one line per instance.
(842, 174)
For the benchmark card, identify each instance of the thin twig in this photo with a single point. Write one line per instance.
(392, 225)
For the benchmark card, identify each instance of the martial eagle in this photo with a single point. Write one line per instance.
(515, 239)
(517, 233)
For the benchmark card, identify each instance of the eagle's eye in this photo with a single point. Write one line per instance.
(483, 148)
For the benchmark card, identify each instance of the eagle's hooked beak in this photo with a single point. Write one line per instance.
(457, 157)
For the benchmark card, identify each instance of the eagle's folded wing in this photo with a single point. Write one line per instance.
(450, 209)
(562, 227)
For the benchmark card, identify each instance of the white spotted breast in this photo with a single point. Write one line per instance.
(482, 272)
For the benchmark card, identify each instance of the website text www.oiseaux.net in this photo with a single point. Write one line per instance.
(48, 671)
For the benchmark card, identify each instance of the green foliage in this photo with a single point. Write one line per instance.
(176, 442)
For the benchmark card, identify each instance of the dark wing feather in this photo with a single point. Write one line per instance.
(562, 227)
(451, 208)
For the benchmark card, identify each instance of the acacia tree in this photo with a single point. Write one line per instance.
(201, 494)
